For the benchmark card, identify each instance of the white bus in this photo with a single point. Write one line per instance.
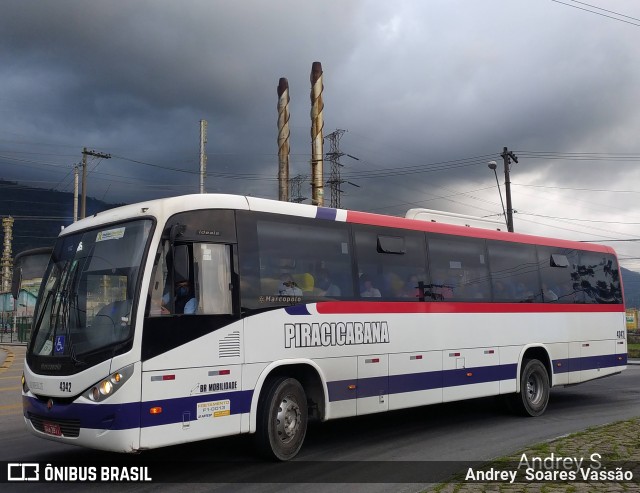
(202, 316)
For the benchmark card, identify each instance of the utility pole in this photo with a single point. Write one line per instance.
(507, 156)
(86, 153)
(83, 210)
(203, 156)
(75, 193)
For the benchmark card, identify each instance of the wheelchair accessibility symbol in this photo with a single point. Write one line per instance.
(59, 346)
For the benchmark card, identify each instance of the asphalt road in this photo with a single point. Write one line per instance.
(437, 439)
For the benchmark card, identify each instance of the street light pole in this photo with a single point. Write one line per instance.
(493, 165)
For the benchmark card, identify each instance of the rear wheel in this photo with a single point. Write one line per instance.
(282, 418)
(533, 397)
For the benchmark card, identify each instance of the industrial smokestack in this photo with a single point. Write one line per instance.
(283, 140)
(7, 259)
(317, 125)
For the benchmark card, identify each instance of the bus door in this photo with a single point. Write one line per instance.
(192, 342)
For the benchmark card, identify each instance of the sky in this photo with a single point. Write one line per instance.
(427, 91)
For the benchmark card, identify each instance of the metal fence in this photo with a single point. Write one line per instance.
(20, 332)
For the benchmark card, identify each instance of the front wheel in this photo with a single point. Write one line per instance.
(533, 397)
(282, 419)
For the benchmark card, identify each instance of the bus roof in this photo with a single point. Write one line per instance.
(166, 207)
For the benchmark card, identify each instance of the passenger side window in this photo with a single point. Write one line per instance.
(514, 272)
(201, 280)
(287, 260)
(599, 278)
(559, 275)
(391, 263)
(458, 267)
(212, 273)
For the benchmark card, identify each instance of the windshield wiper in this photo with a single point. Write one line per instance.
(62, 312)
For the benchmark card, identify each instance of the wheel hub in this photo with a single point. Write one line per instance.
(288, 419)
(533, 388)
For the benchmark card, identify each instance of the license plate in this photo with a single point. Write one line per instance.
(52, 429)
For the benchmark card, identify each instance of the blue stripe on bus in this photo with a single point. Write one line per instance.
(134, 414)
(297, 310)
(101, 417)
(589, 363)
(413, 382)
(480, 374)
(175, 410)
(326, 213)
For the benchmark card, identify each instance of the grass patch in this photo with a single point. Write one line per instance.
(617, 444)
(633, 350)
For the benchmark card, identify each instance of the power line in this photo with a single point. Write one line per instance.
(599, 13)
(419, 203)
(417, 168)
(580, 156)
(610, 239)
(589, 204)
(577, 189)
(386, 173)
(576, 219)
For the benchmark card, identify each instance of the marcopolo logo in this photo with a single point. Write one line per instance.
(335, 334)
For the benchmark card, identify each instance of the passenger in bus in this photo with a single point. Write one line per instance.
(185, 302)
(324, 285)
(442, 286)
(501, 292)
(368, 291)
(288, 286)
(524, 294)
(411, 288)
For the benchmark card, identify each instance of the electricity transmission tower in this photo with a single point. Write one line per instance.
(295, 188)
(335, 180)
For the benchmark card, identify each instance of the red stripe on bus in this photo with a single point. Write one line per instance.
(450, 229)
(346, 307)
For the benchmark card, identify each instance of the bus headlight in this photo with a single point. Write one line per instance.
(106, 387)
(109, 385)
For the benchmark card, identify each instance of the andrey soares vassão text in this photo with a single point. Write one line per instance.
(552, 468)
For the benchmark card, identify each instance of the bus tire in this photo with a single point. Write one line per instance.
(282, 419)
(533, 397)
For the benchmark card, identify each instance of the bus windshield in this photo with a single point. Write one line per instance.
(88, 292)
